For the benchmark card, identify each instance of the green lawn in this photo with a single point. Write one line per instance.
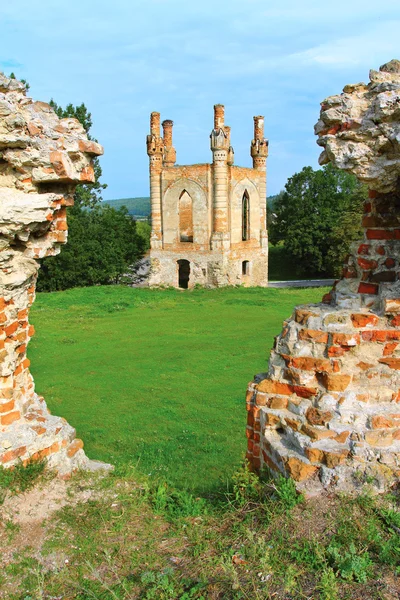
(157, 378)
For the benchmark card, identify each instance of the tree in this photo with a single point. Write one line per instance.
(102, 243)
(317, 217)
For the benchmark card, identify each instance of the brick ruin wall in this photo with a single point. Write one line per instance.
(327, 413)
(42, 159)
(217, 251)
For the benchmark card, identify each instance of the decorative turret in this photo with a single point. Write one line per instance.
(155, 150)
(169, 150)
(259, 145)
(221, 148)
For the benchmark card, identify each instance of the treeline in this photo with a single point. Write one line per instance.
(102, 241)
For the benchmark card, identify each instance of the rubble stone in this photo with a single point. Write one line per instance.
(343, 355)
(42, 159)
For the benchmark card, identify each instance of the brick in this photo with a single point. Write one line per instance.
(383, 276)
(345, 339)
(364, 366)
(389, 263)
(368, 288)
(261, 399)
(13, 454)
(314, 455)
(299, 470)
(38, 429)
(337, 351)
(334, 459)
(327, 298)
(278, 402)
(302, 315)
(10, 417)
(341, 437)
(272, 420)
(382, 422)
(275, 387)
(363, 320)
(393, 363)
(308, 363)
(380, 234)
(366, 264)
(7, 406)
(318, 417)
(390, 348)
(363, 249)
(317, 434)
(336, 382)
(380, 438)
(10, 329)
(313, 335)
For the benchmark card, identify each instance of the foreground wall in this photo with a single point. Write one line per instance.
(327, 413)
(42, 159)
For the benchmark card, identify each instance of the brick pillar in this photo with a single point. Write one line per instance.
(155, 151)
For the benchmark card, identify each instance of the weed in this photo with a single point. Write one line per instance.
(20, 478)
(350, 563)
(327, 585)
(247, 486)
(177, 503)
(286, 492)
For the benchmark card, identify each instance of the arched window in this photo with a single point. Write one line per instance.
(245, 216)
(185, 217)
(245, 268)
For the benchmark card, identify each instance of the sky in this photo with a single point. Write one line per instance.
(126, 58)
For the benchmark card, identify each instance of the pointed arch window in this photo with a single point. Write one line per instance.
(185, 217)
(245, 216)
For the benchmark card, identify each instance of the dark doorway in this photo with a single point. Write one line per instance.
(183, 273)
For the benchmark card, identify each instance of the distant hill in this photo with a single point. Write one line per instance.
(140, 207)
(137, 207)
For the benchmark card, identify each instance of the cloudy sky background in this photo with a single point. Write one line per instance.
(126, 58)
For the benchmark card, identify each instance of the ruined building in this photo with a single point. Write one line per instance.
(42, 159)
(208, 220)
(327, 413)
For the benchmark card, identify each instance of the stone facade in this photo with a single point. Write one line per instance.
(42, 159)
(208, 220)
(327, 413)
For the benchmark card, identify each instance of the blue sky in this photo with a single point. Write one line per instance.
(126, 58)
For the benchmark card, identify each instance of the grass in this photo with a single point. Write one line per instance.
(259, 540)
(157, 378)
(154, 382)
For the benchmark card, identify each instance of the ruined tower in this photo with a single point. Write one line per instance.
(208, 220)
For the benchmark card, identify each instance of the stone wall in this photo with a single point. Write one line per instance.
(42, 159)
(327, 413)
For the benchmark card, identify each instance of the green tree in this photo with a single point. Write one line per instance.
(102, 243)
(317, 217)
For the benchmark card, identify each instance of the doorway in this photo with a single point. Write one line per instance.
(183, 273)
